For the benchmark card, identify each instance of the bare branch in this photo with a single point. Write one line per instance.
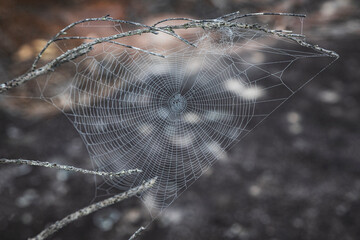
(224, 21)
(278, 33)
(93, 208)
(107, 19)
(65, 57)
(113, 42)
(63, 31)
(70, 168)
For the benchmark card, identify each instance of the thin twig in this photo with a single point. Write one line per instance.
(173, 19)
(234, 17)
(69, 168)
(137, 233)
(113, 42)
(92, 208)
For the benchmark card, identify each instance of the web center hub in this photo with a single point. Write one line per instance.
(177, 103)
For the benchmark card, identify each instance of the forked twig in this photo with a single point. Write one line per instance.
(104, 19)
(93, 208)
(63, 32)
(84, 48)
(69, 168)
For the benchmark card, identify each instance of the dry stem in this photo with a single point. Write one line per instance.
(93, 208)
(69, 168)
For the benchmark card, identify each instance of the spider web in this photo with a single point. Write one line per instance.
(174, 117)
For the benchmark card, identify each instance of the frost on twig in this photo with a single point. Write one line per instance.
(93, 208)
(69, 168)
(84, 48)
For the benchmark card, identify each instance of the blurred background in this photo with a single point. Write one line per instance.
(296, 176)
